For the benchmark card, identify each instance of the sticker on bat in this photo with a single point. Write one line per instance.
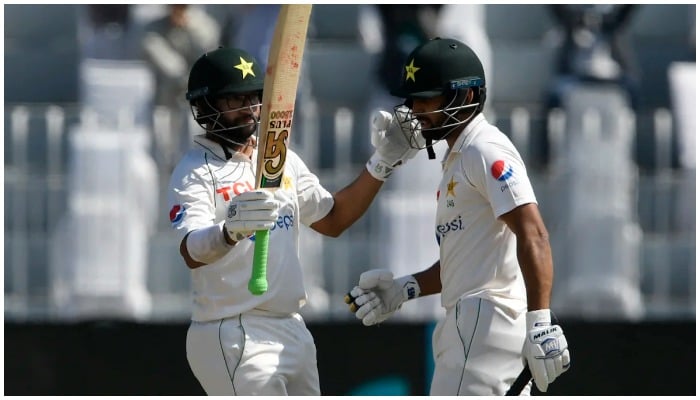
(275, 155)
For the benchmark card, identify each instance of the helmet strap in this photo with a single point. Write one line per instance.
(429, 148)
(482, 99)
(226, 152)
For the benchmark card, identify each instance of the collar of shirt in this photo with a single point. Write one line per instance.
(464, 137)
(216, 149)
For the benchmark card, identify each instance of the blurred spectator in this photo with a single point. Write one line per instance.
(170, 45)
(251, 27)
(692, 34)
(405, 27)
(593, 49)
(106, 32)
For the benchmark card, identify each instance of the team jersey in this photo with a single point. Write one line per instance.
(484, 177)
(201, 187)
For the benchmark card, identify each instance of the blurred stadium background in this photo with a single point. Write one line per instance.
(97, 296)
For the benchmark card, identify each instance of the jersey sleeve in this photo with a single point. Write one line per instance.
(496, 169)
(191, 202)
(315, 202)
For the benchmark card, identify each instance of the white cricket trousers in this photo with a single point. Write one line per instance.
(477, 350)
(252, 354)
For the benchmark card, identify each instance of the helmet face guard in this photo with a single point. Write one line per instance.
(231, 74)
(448, 68)
(453, 111)
(213, 120)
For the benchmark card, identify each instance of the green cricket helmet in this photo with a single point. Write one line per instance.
(225, 73)
(437, 66)
(445, 67)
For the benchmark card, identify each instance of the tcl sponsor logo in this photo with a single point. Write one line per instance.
(442, 230)
(235, 189)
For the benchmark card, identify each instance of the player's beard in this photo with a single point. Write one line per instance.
(239, 130)
(242, 129)
(445, 126)
(434, 132)
(439, 133)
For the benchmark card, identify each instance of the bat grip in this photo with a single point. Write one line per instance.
(258, 279)
(520, 382)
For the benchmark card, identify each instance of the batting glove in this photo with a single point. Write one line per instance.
(546, 349)
(251, 211)
(392, 137)
(378, 295)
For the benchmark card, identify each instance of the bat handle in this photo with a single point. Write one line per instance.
(258, 280)
(520, 382)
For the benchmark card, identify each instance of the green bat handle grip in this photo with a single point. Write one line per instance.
(258, 280)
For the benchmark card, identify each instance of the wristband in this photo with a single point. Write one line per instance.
(536, 318)
(409, 287)
(207, 245)
(378, 167)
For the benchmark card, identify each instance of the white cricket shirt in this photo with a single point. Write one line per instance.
(483, 178)
(201, 187)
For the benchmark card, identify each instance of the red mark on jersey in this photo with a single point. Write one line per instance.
(237, 188)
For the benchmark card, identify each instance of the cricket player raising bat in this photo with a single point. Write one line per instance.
(239, 343)
(495, 268)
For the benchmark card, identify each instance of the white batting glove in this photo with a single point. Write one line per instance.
(251, 211)
(546, 349)
(392, 138)
(378, 295)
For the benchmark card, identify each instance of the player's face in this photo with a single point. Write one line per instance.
(440, 116)
(240, 112)
(427, 112)
(239, 109)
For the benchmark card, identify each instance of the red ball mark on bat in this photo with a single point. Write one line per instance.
(280, 98)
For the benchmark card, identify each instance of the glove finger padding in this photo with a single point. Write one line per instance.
(357, 297)
(251, 211)
(365, 298)
(353, 294)
(551, 369)
(381, 120)
(374, 316)
(252, 195)
(269, 215)
(565, 360)
(255, 205)
(561, 364)
(393, 143)
(545, 348)
(372, 304)
(379, 295)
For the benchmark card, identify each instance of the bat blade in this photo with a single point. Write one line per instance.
(276, 116)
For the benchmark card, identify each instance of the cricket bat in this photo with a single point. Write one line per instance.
(276, 116)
